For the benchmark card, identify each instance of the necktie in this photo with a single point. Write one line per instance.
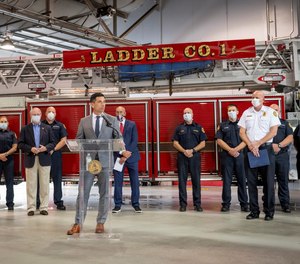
(97, 126)
(121, 127)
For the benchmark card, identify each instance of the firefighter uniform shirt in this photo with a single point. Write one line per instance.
(257, 124)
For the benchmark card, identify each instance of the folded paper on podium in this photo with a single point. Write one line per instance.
(262, 160)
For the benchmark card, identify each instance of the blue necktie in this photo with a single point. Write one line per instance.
(97, 127)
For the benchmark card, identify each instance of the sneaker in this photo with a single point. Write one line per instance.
(116, 210)
(137, 209)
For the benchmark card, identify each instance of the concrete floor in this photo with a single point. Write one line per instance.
(160, 235)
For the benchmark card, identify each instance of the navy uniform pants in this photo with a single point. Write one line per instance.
(268, 175)
(186, 165)
(229, 165)
(56, 175)
(282, 168)
(8, 168)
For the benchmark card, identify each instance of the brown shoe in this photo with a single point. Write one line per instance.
(99, 228)
(74, 230)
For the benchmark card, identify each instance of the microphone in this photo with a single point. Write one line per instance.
(109, 124)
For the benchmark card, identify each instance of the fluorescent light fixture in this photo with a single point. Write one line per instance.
(7, 43)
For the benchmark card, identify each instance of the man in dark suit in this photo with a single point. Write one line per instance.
(98, 125)
(130, 137)
(37, 141)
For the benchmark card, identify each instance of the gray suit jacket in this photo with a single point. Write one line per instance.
(86, 131)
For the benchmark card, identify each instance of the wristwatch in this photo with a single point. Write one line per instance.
(279, 146)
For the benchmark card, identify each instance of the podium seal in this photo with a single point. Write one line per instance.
(94, 167)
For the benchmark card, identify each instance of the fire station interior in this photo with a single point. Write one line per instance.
(34, 35)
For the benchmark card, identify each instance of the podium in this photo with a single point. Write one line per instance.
(96, 160)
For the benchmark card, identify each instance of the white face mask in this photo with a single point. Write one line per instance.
(51, 116)
(120, 118)
(255, 102)
(232, 115)
(36, 119)
(3, 126)
(187, 117)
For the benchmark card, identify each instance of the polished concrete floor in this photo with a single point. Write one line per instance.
(161, 234)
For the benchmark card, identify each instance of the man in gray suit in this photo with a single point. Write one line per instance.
(98, 125)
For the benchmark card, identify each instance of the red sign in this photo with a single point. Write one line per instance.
(166, 53)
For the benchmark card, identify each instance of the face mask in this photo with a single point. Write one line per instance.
(255, 102)
(120, 118)
(187, 117)
(51, 116)
(3, 126)
(232, 115)
(36, 119)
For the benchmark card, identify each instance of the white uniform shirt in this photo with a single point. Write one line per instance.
(258, 124)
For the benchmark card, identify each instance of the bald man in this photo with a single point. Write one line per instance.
(188, 139)
(37, 141)
(60, 137)
(258, 127)
(131, 161)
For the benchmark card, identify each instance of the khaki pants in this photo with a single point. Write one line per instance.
(34, 175)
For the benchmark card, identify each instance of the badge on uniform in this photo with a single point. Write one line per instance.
(203, 131)
(275, 114)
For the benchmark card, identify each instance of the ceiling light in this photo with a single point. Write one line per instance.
(7, 43)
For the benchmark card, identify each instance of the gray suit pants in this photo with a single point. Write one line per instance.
(103, 185)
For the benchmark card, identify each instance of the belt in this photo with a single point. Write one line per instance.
(266, 144)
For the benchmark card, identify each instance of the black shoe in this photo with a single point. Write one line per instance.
(225, 208)
(43, 212)
(182, 209)
(268, 218)
(137, 209)
(286, 209)
(116, 210)
(61, 207)
(10, 208)
(245, 209)
(198, 208)
(252, 215)
(30, 213)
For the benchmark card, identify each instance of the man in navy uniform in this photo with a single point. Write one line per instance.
(232, 159)
(281, 144)
(130, 138)
(8, 145)
(60, 137)
(188, 139)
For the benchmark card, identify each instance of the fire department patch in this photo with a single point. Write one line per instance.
(275, 114)
(203, 131)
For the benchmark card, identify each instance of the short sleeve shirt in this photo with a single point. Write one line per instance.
(258, 124)
(189, 136)
(7, 139)
(58, 129)
(229, 132)
(284, 130)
